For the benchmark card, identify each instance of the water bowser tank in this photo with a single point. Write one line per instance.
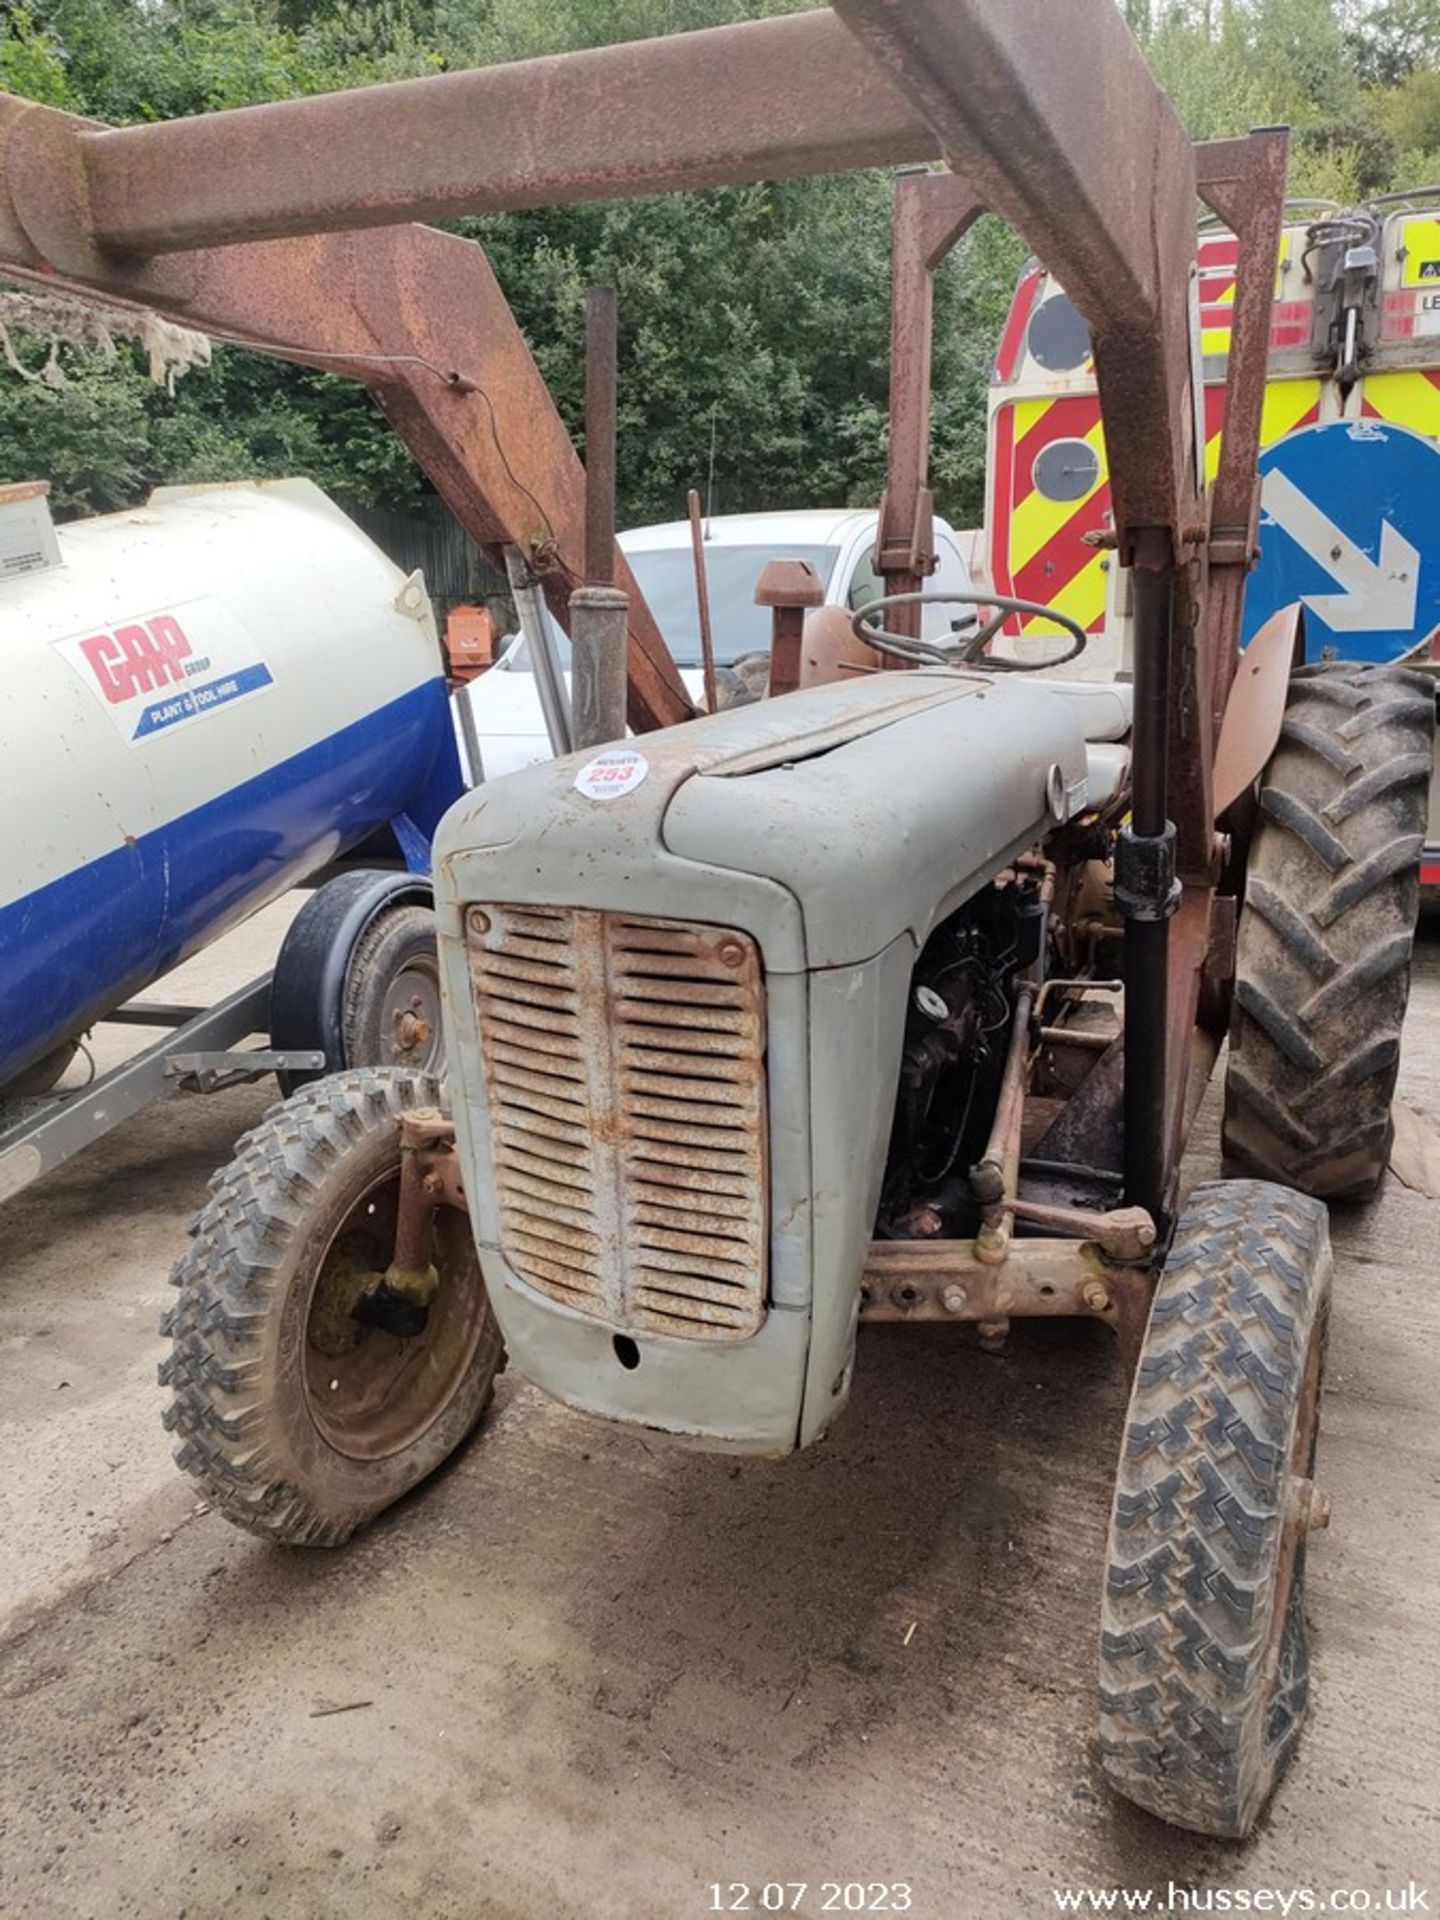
(205, 700)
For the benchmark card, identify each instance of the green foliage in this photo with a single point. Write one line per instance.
(129, 60)
(1388, 40)
(90, 439)
(1229, 66)
(31, 62)
(472, 31)
(1412, 112)
(753, 319)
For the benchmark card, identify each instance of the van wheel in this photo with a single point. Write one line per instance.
(303, 1405)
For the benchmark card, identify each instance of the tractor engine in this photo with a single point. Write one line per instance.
(957, 1032)
(722, 1006)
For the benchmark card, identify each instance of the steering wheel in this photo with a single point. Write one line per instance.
(928, 653)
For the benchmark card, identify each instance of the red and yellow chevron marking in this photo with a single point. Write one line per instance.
(1038, 546)
(1217, 260)
(1011, 350)
(1288, 404)
(1404, 399)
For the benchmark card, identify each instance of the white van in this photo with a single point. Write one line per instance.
(838, 542)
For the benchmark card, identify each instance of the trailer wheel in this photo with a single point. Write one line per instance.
(391, 1014)
(1204, 1662)
(298, 1415)
(1323, 961)
(43, 1074)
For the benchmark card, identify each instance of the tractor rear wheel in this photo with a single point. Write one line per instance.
(1323, 960)
(1204, 1662)
(303, 1404)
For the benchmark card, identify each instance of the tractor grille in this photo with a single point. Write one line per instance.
(624, 1070)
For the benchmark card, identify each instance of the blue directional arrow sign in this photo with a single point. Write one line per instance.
(1350, 527)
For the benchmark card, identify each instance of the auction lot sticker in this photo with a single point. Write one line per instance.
(617, 771)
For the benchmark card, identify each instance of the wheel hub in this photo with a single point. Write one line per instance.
(380, 1358)
(411, 1017)
(333, 1327)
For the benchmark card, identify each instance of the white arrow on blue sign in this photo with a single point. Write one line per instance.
(1350, 527)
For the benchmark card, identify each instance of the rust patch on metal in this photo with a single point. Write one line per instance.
(932, 211)
(625, 1080)
(1124, 1233)
(950, 1280)
(788, 587)
(1255, 708)
(755, 100)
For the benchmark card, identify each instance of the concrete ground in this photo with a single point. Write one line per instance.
(589, 1676)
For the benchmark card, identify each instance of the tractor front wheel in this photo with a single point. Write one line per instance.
(1204, 1662)
(307, 1397)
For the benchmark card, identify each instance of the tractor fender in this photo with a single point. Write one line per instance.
(1255, 708)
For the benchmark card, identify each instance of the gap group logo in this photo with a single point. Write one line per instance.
(164, 670)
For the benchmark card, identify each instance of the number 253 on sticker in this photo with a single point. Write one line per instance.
(611, 774)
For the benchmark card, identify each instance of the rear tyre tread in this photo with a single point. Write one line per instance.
(1327, 932)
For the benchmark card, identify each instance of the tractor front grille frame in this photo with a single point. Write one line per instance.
(624, 1062)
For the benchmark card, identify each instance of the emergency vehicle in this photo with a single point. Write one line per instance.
(1350, 439)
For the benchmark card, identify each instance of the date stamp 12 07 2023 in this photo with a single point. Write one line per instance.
(810, 1896)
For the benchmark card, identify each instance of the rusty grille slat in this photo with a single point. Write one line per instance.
(663, 1153)
(553, 1133)
(574, 1179)
(541, 1100)
(662, 997)
(624, 1070)
(667, 1171)
(721, 1226)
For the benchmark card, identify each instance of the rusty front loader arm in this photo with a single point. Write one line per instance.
(674, 1027)
(419, 318)
(758, 101)
(1113, 218)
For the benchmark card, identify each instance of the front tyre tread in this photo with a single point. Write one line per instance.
(1203, 1684)
(234, 1408)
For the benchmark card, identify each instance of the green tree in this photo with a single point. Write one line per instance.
(1411, 113)
(31, 61)
(1385, 42)
(755, 319)
(90, 438)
